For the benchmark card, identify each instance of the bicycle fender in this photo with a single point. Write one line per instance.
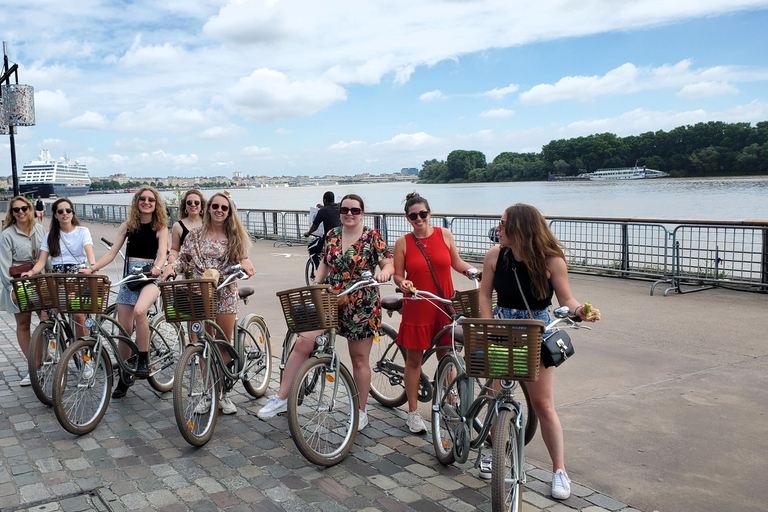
(245, 320)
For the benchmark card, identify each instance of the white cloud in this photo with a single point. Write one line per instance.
(499, 93)
(160, 157)
(497, 113)
(50, 105)
(87, 121)
(431, 95)
(410, 140)
(165, 119)
(154, 56)
(267, 95)
(706, 90)
(118, 159)
(283, 131)
(344, 145)
(48, 77)
(256, 151)
(229, 131)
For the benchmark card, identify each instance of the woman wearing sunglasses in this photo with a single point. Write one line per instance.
(421, 320)
(350, 249)
(147, 233)
(68, 244)
(19, 245)
(190, 217)
(221, 242)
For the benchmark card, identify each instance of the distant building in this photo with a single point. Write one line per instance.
(409, 171)
(237, 174)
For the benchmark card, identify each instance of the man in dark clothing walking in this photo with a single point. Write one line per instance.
(329, 217)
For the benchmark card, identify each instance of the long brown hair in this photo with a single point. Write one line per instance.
(54, 235)
(527, 230)
(10, 219)
(159, 216)
(183, 213)
(414, 198)
(238, 241)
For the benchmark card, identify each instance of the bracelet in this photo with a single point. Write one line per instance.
(158, 268)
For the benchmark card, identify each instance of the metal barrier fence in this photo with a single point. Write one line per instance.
(677, 252)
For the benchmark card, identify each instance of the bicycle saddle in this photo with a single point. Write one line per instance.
(245, 291)
(392, 302)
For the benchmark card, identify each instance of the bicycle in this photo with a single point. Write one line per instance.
(323, 405)
(388, 359)
(313, 260)
(507, 351)
(82, 384)
(201, 374)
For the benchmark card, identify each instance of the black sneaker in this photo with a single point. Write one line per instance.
(121, 390)
(142, 370)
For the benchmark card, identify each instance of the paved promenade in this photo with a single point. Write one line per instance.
(663, 408)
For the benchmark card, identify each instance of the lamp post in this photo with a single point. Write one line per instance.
(17, 109)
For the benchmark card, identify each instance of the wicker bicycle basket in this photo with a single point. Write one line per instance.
(81, 293)
(502, 349)
(309, 308)
(34, 293)
(189, 300)
(467, 303)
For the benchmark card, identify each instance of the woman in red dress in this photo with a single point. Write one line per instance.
(422, 320)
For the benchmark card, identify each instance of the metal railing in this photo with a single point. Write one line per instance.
(678, 252)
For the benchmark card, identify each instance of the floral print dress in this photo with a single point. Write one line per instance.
(361, 317)
(199, 254)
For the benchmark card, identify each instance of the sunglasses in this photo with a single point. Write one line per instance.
(502, 222)
(423, 214)
(190, 202)
(17, 209)
(148, 199)
(354, 211)
(65, 210)
(216, 206)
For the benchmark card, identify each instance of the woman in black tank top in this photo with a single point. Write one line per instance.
(147, 234)
(528, 247)
(191, 211)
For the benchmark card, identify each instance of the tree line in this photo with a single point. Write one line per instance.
(714, 148)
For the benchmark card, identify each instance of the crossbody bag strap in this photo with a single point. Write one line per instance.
(61, 239)
(520, 287)
(429, 263)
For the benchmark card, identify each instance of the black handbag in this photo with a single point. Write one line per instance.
(137, 284)
(557, 347)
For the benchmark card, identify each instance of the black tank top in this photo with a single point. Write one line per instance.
(184, 233)
(143, 243)
(506, 286)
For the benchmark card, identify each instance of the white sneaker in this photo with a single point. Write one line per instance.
(486, 467)
(25, 381)
(362, 421)
(274, 407)
(561, 485)
(226, 405)
(204, 406)
(415, 423)
(88, 370)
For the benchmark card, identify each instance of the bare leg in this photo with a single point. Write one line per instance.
(147, 297)
(23, 331)
(412, 377)
(300, 353)
(360, 353)
(125, 317)
(227, 323)
(543, 402)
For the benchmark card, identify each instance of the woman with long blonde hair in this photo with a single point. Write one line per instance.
(221, 242)
(146, 230)
(20, 244)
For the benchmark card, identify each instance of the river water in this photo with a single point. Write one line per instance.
(708, 199)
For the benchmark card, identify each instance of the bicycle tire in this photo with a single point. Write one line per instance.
(190, 388)
(507, 468)
(387, 361)
(45, 348)
(166, 343)
(80, 402)
(531, 420)
(288, 343)
(309, 272)
(322, 435)
(257, 356)
(446, 409)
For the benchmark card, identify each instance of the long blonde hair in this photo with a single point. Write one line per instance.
(238, 241)
(535, 243)
(10, 219)
(159, 216)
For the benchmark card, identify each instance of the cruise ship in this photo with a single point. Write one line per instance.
(46, 177)
(618, 173)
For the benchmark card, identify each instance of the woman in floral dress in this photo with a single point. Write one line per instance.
(350, 250)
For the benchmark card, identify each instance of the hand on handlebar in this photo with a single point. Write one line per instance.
(406, 286)
(87, 270)
(247, 267)
(28, 273)
(168, 272)
(383, 276)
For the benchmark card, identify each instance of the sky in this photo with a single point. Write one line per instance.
(278, 87)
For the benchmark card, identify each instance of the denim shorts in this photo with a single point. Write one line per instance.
(522, 314)
(126, 296)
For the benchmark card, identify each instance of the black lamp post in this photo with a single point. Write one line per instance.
(17, 106)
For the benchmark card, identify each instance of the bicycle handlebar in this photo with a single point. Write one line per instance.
(366, 281)
(235, 272)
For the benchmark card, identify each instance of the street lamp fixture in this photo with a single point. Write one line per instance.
(17, 108)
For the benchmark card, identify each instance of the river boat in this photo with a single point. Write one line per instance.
(618, 173)
(46, 177)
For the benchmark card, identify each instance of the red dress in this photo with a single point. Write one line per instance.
(422, 320)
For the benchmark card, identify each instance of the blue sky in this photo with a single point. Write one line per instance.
(210, 87)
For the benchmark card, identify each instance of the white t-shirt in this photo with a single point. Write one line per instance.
(72, 246)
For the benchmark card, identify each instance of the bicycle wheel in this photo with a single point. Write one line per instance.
(82, 387)
(531, 420)
(322, 411)
(447, 409)
(45, 349)
(257, 356)
(166, 343)
(195, 396)
(507, 469)
(309, 272)
(387, 361)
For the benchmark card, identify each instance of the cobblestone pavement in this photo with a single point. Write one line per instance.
(137, 460)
